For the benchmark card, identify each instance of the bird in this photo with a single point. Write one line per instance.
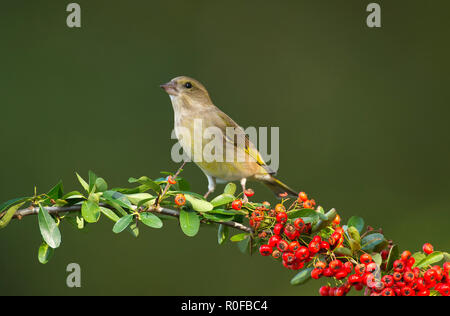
(193, 105)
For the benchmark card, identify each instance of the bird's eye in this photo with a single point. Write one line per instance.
(188, 85)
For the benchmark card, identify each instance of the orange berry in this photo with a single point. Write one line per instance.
(180, 199)
(302, 196)
(171, 180)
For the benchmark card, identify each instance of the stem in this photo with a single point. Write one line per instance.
(60, 210)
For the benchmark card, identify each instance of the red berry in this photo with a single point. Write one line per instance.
(425, 292)
(365, 258)
(316, 273)
(249, 193)
(360, 269)
(325, 245)
(294, 246)
(273, 241)
(299, 224)
(237, 205)
(397, 276)
(324, 290)
(444, 289)
(371, 267)
(276, 254)
(265, 250)
(336, 265)
(340, 291)
(446, 266)
(387, 280)
(317, 239)
(328, 272)
(410, 262)
(384, 254)
(283, 245)
(302, 253)
(354, 278)
(288, 257)
(399, 265)
(405, 255)
(278, 228)
(313, 247)
(408, 276)
(348, 266)
(388, 292)
(341, 274)
(430, 276)
(428, 248)
(282, 217)
(407, 291)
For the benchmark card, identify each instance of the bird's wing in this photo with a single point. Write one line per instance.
(224, 121)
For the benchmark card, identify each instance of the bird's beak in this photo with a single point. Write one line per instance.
(170, 88)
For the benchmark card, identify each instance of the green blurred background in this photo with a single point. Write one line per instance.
(363, 116)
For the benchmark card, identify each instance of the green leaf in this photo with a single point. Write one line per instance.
(356, 222)
(56, 192)
(83, 183)
(418, 256)
(49, 230)
(230, 188)
(73, 195)
(308, 215)
(222, 234)
(341, 251)
(146, 183)
(222, 199)
(189, 222)
(377, 259)
(133, 229)
(218, 217)
(9, 214)
(225, 212)
(151, 220)
(45, 253)
(92, 180)
(302, 277)
(321, 224)
(109, 213)
(393, 255)
(369, 242)
(136, 198)
(431, 259)
(244, 245)
(123, 223)
(118, 198)
(354, 238)
(101, 185)
(90, 211)
(239, 237)
(197, 204)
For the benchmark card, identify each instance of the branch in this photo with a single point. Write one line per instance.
(60, 210)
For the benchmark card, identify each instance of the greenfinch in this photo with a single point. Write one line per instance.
(193, 107)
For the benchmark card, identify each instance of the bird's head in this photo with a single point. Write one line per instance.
(187, 90)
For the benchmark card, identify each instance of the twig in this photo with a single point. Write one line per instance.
(61, 210)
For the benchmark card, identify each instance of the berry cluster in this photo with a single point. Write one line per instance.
(292, 241)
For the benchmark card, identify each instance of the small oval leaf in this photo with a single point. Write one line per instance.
(151, 220)
(122, 223)
(189, 223)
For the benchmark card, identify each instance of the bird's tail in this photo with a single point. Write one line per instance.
(278, 187)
